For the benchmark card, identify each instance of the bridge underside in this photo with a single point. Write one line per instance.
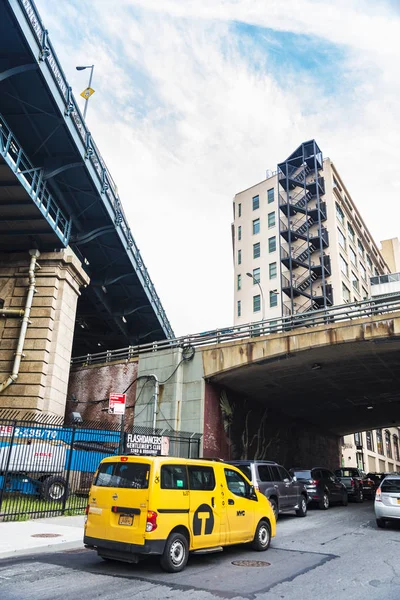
(339, 388)
(115, 310)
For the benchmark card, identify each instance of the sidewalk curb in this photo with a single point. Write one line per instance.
(37, 550)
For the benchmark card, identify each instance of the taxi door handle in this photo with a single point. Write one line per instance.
(213, 502)
(230, 501)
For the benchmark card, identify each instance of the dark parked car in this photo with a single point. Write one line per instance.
(355, 481)
(284, 493)
(323, 487)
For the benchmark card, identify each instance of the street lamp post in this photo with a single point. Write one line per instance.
(82, 68)
(261, 292)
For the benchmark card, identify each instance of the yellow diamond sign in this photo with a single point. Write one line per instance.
(87, 93)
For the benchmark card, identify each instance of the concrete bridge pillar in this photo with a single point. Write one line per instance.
(41, 385)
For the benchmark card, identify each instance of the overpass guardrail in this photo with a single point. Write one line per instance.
(92, 154)
(335, 314)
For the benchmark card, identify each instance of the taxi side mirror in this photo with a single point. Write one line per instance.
(252, 493)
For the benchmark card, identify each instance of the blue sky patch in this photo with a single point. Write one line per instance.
(290, 54)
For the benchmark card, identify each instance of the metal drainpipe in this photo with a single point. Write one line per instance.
(25, 321)
(156, 394)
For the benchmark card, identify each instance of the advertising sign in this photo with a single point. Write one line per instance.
(117, 404)
(150, 445)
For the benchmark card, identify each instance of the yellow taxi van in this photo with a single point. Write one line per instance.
(144, 505)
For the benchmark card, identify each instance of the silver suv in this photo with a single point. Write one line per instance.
(284, 492)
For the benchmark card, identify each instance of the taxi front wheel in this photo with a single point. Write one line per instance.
(176, 553)
(262, 537)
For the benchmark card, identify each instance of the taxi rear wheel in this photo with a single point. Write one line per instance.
(262, 537)
(176, 553)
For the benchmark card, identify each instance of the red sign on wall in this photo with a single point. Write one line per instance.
(117, 404)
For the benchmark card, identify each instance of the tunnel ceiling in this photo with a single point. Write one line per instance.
(331, 387)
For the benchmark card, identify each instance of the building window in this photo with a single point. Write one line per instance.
(344, 267)
(256, 202)
(336, 183)
(239, 308)
(365, 294)
(273, 298)
(239, 210)
(396, 447)
(388, 444)
(355, 282)
(369, 263)
(256, 226)
(363, 272)
(256, 250)
(271, 219)
(272, 244)
(360, 461)
(239, 282)
(345, 293)
(257, 303)
(379, 441)
(256, 275)
(239, 233)
(270, 195)
(358, 439)
(351, 233)
(370, 440)
(342, 239)
(272, 270)
(360, 248)
(239, 257)
(353, 256)
(339, 214)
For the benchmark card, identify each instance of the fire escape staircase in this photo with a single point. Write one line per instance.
(302, 287)
(301, 189)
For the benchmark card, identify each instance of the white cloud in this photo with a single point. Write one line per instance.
(187, 112)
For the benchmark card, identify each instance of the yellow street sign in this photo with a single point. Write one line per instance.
(87, 93)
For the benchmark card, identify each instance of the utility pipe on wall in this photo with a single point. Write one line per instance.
(25, 321)
(156, 394)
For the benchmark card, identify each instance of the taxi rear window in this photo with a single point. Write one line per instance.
(123, 475)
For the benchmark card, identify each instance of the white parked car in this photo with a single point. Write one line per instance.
(387, 500)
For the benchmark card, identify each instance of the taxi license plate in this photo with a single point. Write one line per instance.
(125, 520)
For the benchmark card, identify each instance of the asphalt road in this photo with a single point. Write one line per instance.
(337, 553)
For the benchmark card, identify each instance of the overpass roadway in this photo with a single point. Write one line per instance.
(337, 369)
(342, 377)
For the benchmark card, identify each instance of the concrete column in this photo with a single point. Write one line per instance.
(42, 383)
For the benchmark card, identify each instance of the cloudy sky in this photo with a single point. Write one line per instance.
(195, 99)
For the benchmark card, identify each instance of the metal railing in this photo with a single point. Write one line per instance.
(31, 179)
(106, 183)
(335, 314)
(389, 278)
